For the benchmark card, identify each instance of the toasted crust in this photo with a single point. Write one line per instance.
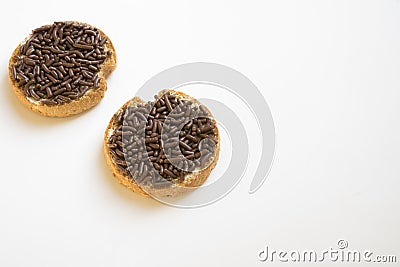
(88, 100)
(191, 180)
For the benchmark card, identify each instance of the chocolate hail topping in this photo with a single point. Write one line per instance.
(60, 62)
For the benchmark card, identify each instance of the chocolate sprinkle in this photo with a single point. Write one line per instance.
(60, 62)
(161, 141)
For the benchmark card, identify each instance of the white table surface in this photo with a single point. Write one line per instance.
(330, 71)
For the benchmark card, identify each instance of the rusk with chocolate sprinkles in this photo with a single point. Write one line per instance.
(60, 69)
(162, 147)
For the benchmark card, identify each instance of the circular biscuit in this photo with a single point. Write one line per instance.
(191, 180)
(88, 100)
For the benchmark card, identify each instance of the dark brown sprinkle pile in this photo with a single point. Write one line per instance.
(60, 62)
(139, 151)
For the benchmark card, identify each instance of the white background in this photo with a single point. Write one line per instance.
(330, 71)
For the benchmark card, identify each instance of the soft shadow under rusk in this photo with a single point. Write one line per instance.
(25, 114)
(125, 193)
